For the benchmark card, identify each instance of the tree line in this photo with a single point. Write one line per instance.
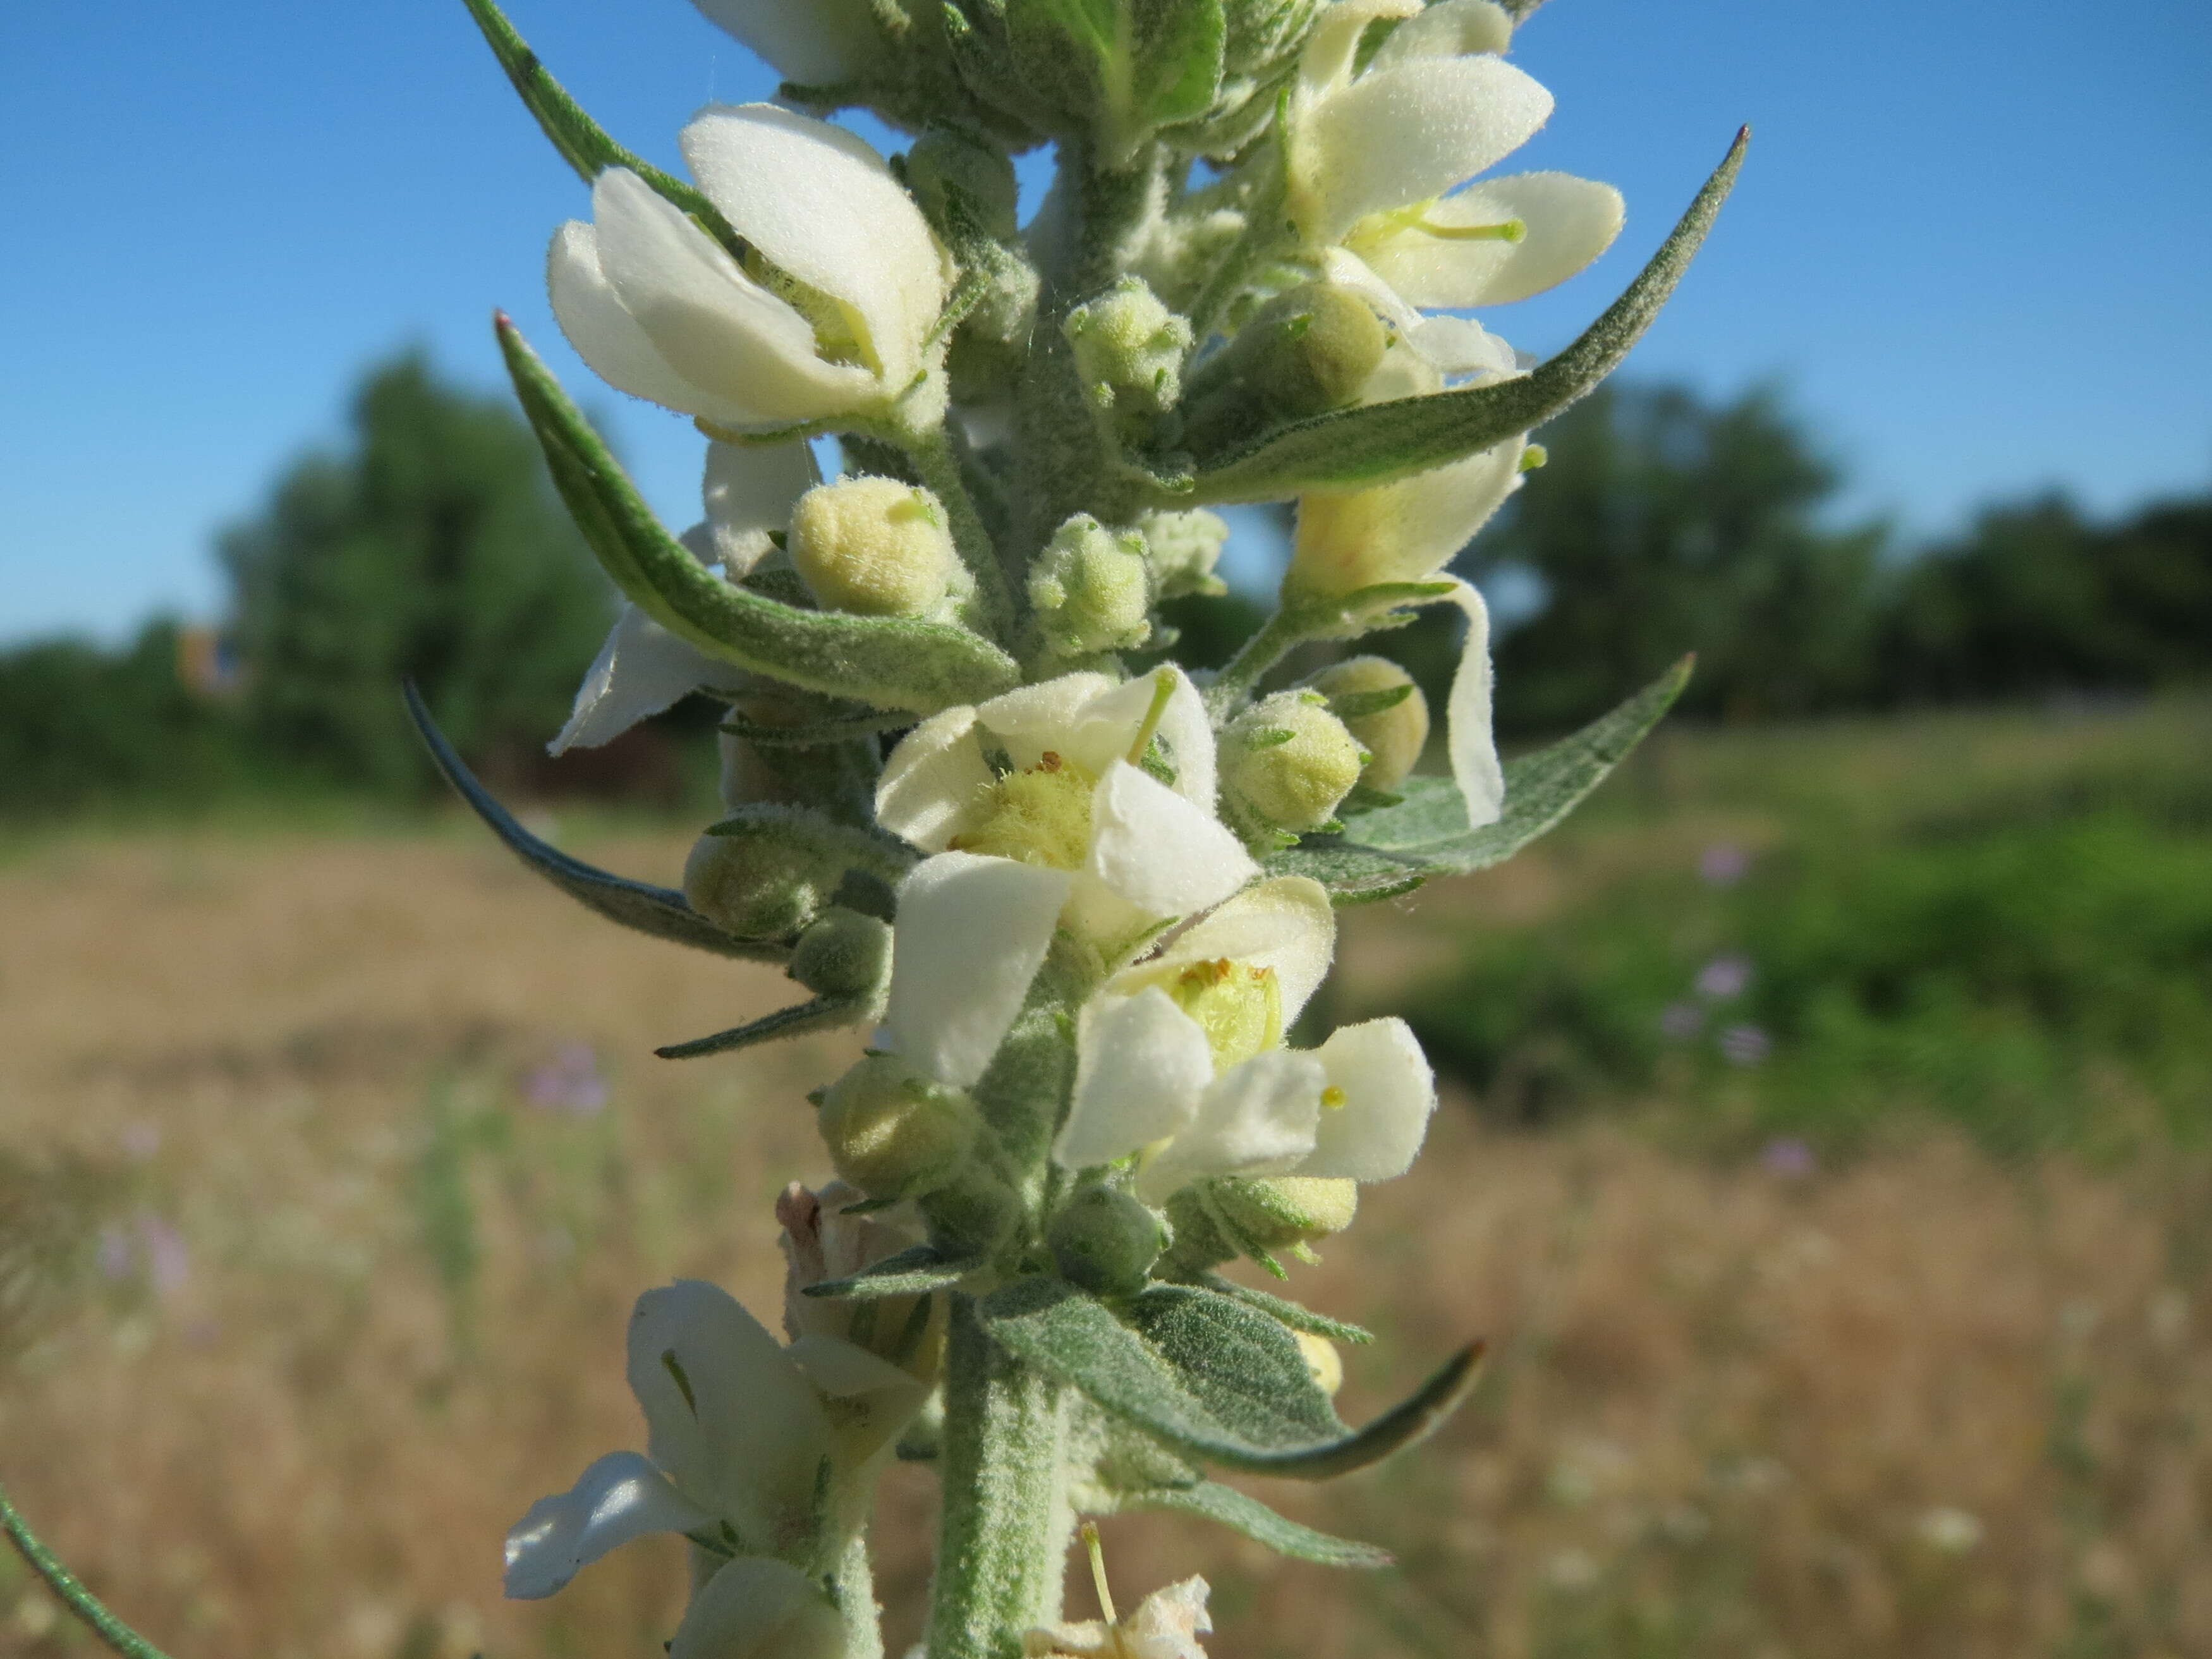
(431, 547)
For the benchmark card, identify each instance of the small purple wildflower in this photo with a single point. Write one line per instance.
(1724, 976)
(1789, 1156)
(1724, 864)
(115, 1253)
(1682, 1019)
(168, 1264)
(1745, 1045)
(567, 1082)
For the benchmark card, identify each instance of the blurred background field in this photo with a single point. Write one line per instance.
(1825, 1153)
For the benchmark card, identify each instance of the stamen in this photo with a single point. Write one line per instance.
(1332, 1098)
(1098, 1571)
(1163, 688)
(1512, 230)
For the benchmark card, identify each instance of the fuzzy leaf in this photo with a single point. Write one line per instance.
(583, 144)
(1377, 442)
(820, 1014)
(1207, 1377)
(1260, 1524)
(891, 661)
(1286, 1312)
(916, 1270)
(1394, 849)
(661, 911)
(1175, 48)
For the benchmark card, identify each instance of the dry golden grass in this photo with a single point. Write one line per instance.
(1919, 1405)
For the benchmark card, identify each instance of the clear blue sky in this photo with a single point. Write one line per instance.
(1975, 237)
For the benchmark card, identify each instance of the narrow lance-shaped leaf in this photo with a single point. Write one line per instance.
(1296, 1316)
(583, 144)
(1227, 1386)
(800, 1019)
(1377, 442)
(1394, 849)
(891, 661)
(916, 1270)
(659, 911)
(1260, 1524)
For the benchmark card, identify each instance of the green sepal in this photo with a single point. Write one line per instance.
(800, 1019)
(892, 661)
(1394, 849)
(1351, 448)
(1207, 1377)
(1365, 797)
(916, 1270)
(583, 144)
(1359, 705)
(660, 911)
(1262, 1525)
(1288, 1313)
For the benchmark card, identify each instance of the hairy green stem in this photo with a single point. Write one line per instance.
(1007, 1523)
(856, 1599)
(71, 1589)
(1277, 635)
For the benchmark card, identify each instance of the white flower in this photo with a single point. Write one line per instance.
(740, 1432)
(1039, 816)
(643, 668)
(1371, 153)
(828, 313)
(815, 43)
(1166, 1624)
(1179, 1059)
(821, 1241)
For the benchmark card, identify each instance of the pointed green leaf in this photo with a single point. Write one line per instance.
(821, 1014)
(1377, 442)
(1394, 849)
(661, 911)
(1207, 1377)
(891, 661)
(1175, 47)
(1287, 1312)
(582, 143)
(1260, 1524)
(916, 1270)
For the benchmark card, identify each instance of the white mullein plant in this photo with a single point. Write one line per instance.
(1071, 898)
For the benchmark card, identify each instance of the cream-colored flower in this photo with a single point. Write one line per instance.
(1166, 1624)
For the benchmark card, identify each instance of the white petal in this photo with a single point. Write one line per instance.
(1168, 1623)
(750, 490)
(730, 1419)
(1187, 736)
(1467, 732)
(1406, 531)
(1031, 719)
(1401, 135)
(820, 204)
(640, 670)
(1105, 727)
(755, 1608)
(1459, 345)
(811, 43)
(619, 1498)
(1158, 851)
(1257, 1118)
(733, 338)
(1286, 924)
(1141, 1066)
(1388, 1095)
(1451, 29)
(608, 338)
(932, 781)
(1569, 221)
(845, 1371)
(1334, 47)
(970, 935)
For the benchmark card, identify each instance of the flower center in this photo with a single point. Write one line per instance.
(1372, 232)
(1238, 1005)
(1038, 815)
(840, 336)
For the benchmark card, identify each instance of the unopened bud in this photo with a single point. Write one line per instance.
(843, 953)
(1322, 1360)
(894, 1133)
(1286, 762)
(769, 870)
(1106, 1240)
(1383, 710)
(957, 177)
(1280, 1211)
(1092, 589)
(876, 547)
(1184, 547)
(1129, 349)
(1308, 350)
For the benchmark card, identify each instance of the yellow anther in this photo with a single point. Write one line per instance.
(1332, 1098)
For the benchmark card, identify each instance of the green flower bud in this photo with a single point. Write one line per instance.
(1184, 547)
(1383, 710)
(964, 184)
(1280, 1212)
(1092, 589)
(1286, 762)
(1198, 1243)
(769, 870)
(843, 953)
(894, 1133)
(1129, 349)
(1106, 1240)
(1307, 351)
(878, 547)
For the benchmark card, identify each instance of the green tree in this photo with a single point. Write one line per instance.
(1661, 523)
(431, 549)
